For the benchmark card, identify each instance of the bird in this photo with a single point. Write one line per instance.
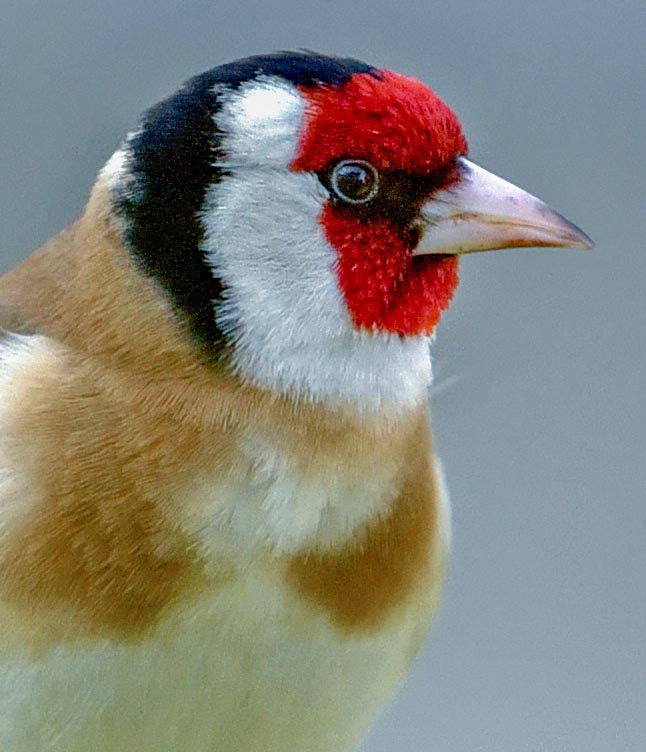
(223, 522)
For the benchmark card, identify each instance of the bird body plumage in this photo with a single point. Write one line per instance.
(185, 558)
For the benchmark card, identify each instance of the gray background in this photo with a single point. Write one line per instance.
(539, 407)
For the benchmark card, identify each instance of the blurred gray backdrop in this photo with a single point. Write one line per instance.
(539, 410)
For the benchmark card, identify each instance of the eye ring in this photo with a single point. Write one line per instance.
(355, 181)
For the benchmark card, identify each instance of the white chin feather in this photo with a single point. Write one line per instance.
(366, 372)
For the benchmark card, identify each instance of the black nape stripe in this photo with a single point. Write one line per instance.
(171, 166)
(171, 158)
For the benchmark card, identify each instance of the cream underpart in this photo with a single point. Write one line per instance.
(249, 665)
(282, 305)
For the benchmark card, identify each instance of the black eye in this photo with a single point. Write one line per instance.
(355, 181)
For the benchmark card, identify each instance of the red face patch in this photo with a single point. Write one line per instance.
(384, 285)
(398, 125)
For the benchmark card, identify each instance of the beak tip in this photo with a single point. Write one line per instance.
(578, 239)
(587, 243)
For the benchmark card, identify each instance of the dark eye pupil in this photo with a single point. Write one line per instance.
(355, 181)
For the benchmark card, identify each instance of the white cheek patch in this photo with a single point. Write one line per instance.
(262, 119)
(264, 242)
(282, 306)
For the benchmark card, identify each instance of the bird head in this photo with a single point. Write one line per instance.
(305, 215)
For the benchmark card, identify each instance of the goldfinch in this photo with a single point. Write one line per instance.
(222, 525)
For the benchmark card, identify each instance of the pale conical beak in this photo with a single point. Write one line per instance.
(482, 212)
